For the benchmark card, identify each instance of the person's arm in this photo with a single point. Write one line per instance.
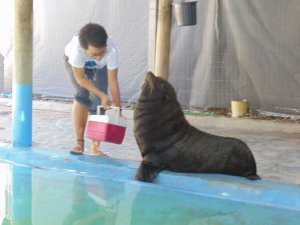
(114, 86)
(85, 83)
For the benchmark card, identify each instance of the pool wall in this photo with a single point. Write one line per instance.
(262, 192)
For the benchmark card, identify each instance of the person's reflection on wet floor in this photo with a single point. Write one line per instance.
(85, 209)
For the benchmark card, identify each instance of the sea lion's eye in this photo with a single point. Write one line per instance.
(161, 85)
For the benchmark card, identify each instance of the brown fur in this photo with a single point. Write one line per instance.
(168, 142)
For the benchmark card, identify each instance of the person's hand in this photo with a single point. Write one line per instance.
(105, 101)
(120, 113)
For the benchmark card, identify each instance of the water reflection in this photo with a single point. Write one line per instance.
(42, 197)
(89, 206)
(16, 187)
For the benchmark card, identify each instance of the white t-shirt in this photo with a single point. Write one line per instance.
(79, 58)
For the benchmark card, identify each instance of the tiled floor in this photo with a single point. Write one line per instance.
(276, 146)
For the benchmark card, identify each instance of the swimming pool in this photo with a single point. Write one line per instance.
(39, 186)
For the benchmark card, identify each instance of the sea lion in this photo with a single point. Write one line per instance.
(168, 142)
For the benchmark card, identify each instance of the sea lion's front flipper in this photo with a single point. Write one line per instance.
(149, 168)
(251, 175)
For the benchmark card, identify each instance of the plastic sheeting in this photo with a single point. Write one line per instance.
(55, 22)
(239, 49)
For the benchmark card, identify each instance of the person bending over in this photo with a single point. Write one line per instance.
(91, 62)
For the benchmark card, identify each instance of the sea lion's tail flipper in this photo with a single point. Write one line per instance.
(149, 168)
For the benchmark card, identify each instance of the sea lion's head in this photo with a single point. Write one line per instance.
(157, 88)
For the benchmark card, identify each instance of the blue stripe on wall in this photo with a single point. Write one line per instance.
(22, 115)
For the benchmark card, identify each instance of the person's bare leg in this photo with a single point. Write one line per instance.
(79, 118)
(96, 148)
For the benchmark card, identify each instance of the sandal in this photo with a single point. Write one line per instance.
(78, 148)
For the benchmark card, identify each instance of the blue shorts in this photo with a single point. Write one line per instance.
(97, 76)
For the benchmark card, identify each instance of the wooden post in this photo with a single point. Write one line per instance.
(152, 30)
(163, 38)
(22, 74)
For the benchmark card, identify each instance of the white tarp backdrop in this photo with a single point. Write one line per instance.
(55, 22)
(239, 49)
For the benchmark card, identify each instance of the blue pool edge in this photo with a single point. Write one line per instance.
(262, 192)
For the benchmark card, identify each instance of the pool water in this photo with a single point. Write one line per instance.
(41, 196)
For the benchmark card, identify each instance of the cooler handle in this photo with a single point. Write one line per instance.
(110, 107)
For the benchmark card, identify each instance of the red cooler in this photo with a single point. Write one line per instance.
(108, 128)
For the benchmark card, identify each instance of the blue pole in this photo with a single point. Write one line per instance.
(22, 86)
(22, 115)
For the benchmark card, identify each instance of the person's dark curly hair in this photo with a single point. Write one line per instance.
(92, 34)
